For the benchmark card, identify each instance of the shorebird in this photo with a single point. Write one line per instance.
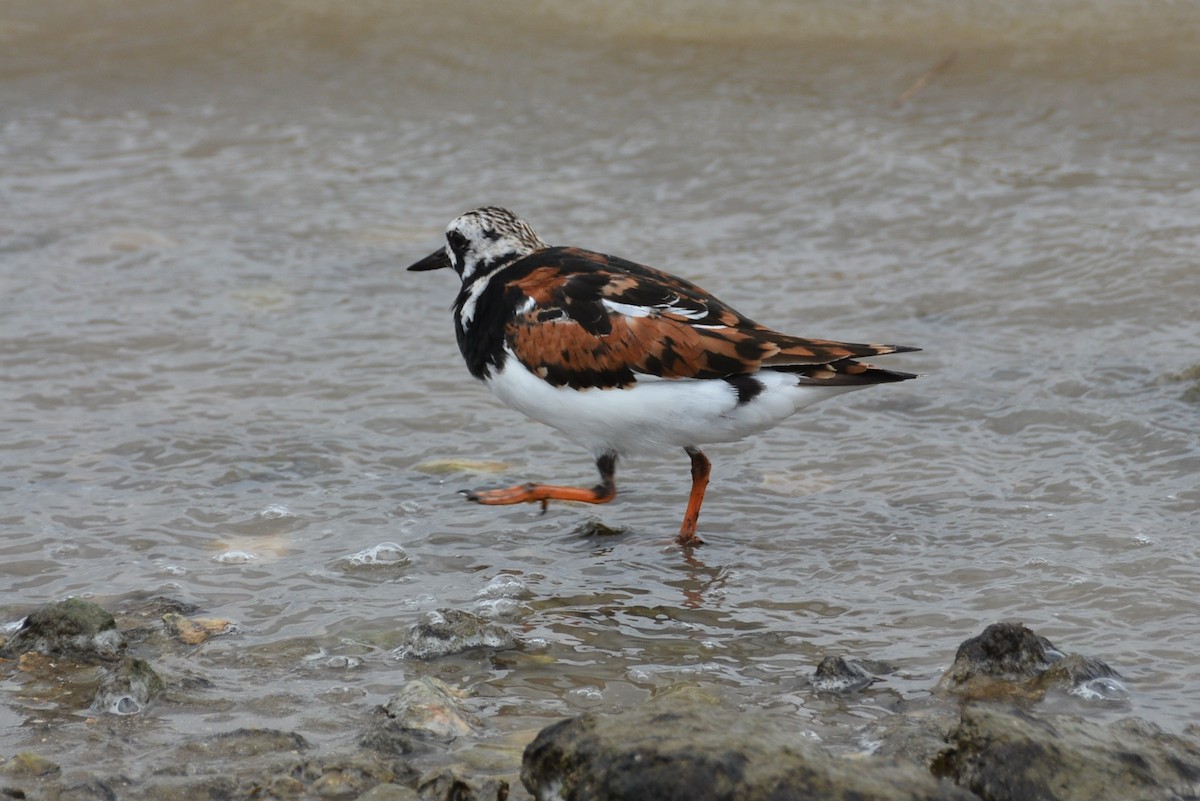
(623, 358)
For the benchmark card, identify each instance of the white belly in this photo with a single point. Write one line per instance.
(656, 413)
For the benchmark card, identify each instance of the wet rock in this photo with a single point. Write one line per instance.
(25, 764)
(246, 764)
(127, 689)
(342, 782)
(836, 674)
(244, 743)
(1190, 376)
(389, 792)
(673, 748)
(199, 788)
(138, 616)
(348, 776)
(283, 787)
(195, 630)
(1008, 661)
(58, 683)
(452, 631)
(387, 738)
(594, 528)
(916, 735)
(425, 713)
(143, 609)
(73, 628)
(93, 789)
(448, 784)
(71, 655)
(1004, 754)
(241, 764)
(1006, 651)
(431, 708)
(339, 777)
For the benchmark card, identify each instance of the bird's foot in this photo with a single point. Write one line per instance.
(539, 493)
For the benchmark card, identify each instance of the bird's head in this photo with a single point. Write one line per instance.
(482, 241)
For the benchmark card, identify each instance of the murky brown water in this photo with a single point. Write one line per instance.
(218, 384)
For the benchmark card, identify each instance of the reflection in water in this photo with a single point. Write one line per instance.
(701, 579)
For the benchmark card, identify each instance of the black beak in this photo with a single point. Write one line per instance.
(434, 261)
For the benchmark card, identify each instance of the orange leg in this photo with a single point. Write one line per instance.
(603, 492)
(701, 468)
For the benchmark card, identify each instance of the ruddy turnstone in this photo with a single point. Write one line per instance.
(624, 358)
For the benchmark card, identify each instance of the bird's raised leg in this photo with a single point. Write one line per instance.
(701, 468)
(532, 492)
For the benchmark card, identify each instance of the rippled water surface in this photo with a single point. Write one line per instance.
(220, 386)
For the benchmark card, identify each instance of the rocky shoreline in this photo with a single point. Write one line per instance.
(983, 732)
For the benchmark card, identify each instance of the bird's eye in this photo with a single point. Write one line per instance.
(456, 240)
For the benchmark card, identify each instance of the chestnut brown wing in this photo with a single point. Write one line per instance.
(589, 320)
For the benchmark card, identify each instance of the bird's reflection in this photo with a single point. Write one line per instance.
(701, 579)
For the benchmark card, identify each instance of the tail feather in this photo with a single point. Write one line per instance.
(845, 373)
(799, 351)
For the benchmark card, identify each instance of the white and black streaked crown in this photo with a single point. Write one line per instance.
(482, 241)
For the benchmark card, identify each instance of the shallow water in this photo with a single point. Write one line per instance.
(220, 386)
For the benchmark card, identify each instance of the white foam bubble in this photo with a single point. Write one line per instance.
(589, 694)
(498, 608)
(275, 511)
(235, 557)
(1102, 688)
(504, 586)
(382, 555)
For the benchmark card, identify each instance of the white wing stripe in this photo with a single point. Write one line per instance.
(627, 309)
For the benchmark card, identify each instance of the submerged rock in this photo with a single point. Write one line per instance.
(389, 792)
(193, 788)
(1004, 754)
(448, 784)
(597, 529)
(244, 742)
(431, 708)
(71, 651)
(915, 735)
(127, 689)
(92, 788)
(424, 714)
(263, 771)
(195, 630)
(73, 628)
(138, 616)
(26, 764)
(452, 631)
(344, 779)
(673, 748)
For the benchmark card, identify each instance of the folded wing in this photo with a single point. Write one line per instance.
(589, 320)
